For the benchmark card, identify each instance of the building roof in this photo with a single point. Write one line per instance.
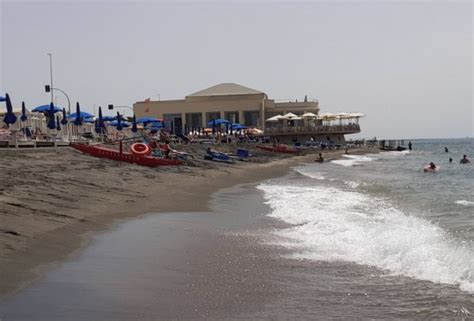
(225, 89)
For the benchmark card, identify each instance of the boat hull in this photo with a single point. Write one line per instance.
(113, 154)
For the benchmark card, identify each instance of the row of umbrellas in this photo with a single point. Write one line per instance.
(323, 116)
(78, 118)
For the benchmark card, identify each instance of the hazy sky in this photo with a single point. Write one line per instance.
(406, 65)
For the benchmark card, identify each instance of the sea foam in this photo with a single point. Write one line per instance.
(334, 225)
(464, 202)
(351, 160)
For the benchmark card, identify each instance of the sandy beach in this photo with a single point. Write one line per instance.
(51, 200)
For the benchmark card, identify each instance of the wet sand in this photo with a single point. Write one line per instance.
(53, 201)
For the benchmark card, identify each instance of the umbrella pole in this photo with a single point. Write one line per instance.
(121, 147)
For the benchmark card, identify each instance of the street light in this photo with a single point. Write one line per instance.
(50, 88)
(111, 107)
(51, 73)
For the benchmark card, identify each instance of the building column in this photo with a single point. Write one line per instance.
(241, 117)
(203, 120)
(262, 114)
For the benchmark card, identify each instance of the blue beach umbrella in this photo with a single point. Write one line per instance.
(58, 123)
(51, 121)
(108, 118)
(23, 116)
(134, 124)
(10, 117)
(83, 114)
(64, 120)
(79, 119)
(2, 98)
(89, 120)
(147, 119)
(45, 109)
(123, 124)
(218, 121)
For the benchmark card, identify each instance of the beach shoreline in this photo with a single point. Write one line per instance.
(32, 242)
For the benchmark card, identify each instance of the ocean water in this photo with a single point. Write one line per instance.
(383, 211)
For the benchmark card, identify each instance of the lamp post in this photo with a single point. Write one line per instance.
(51, 73)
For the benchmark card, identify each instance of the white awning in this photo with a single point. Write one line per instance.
(274, 118)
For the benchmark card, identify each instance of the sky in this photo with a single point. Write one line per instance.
(407, 65)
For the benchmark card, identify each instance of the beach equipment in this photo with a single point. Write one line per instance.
(58, 123)
(122, 124)
(2, 98)
(140, 149)
(290, 116)
(218, 157)
(23, 116)
(217, 122)
(118, 155)
(144, 120)
(83, 114)
(134, 124)
(108, 118)
(237, 126)
(154, 125)
(276, 118)
(45, 109)
(51, 120)
(64, 119)
(99, 124)
(118, 123)
(309, 115)
(279, 149)
(10, 117)
(78, 119)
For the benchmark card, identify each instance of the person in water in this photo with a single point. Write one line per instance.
(450, 160)
(320, 159)
(432, 165)
(446, 150)
(464, 160)
(409, 145)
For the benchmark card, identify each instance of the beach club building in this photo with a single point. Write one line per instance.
(249, 107)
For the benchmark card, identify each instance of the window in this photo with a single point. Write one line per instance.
(232, 116)
(252, 118)
(194, 120)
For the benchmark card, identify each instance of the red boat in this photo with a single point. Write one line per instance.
(279, 149)
(151, 161)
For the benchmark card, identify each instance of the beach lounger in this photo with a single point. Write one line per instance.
(218, 157)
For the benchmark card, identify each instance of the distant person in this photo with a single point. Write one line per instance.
(320, 159)
(446, 150)
(450, 160)
(432, 165)
(410, 145)
(464, 160)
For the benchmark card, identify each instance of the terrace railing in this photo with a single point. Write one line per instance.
(308, 130)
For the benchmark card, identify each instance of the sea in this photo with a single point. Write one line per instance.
(381, 211)
(364, 237)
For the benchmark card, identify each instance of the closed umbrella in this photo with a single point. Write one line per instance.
(10, 117)
(134, 124)
(119, 122)
(100, 122)
(78, 120)
(51, 120)
(64, 119)
(58, 123)
(23, 112)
